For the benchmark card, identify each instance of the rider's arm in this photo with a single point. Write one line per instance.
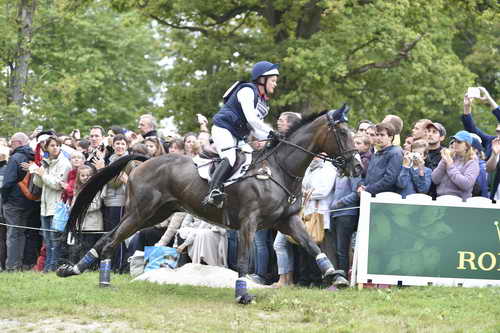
(246, 97)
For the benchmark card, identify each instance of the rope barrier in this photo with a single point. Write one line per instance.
(49, 230)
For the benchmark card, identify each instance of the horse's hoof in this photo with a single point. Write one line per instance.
(65, 271)
(245, 299)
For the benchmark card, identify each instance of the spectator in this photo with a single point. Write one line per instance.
(77, 160)
(176, 146)
(363, 126)
(415, 177)
(93, 221)
(113, 195)
(362, 144)
(458, 169)
(318, 179)
(55, 168)
(419, 131)
(4, 156)
(385, 164)
(436, 135)
(147, 125)
(408, 142)
(205, 243)
(344, 222)
(287, 120)
(191, 144)
(469, 124)
(480, 188)
(397, 123)
(97, 149)
(493, 166)
(83, 146)
(371, 133)
(17, 208)
(155, 147)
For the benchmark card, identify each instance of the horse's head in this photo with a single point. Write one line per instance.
(339, 144)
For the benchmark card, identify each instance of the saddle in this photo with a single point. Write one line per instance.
(208, 158)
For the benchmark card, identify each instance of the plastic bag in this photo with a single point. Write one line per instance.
(61, 216)
(160, 256)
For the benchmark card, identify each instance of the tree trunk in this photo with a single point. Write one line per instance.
(19, 75)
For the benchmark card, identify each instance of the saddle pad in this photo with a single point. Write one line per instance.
(204, 165)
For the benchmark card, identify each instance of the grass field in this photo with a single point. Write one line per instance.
(44, 299)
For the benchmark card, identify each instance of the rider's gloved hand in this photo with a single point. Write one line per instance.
(274, 138)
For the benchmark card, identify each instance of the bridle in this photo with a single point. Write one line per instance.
(338, 159)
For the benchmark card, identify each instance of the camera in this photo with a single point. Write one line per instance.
(473, 92)
(414, 156)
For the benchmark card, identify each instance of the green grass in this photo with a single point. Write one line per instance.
(143, 306)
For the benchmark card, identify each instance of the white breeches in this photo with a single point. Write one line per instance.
(224, 139)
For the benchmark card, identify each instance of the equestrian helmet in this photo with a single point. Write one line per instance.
(264, 68)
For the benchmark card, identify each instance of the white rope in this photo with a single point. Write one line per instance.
(49, 230)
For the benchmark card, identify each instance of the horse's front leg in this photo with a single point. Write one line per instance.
(246, 236)
(295, 228)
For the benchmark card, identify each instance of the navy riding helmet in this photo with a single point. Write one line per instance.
(264, 68)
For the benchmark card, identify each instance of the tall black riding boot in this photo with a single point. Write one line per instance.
(215, 196)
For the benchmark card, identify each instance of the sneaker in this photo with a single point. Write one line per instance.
(256, 279)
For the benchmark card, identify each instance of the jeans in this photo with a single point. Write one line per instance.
(262, 245)
(16, 238)
(52, 242)
(284, 254)
(232, 250)
(343, 227)
(111, 218)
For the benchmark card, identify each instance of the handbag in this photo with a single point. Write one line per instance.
(61, 216)
(313, 223)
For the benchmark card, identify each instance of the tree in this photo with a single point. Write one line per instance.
(90, 66)
(379, 56)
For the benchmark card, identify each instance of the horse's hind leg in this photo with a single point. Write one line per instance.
(295, 228)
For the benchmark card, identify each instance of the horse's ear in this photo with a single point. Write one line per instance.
(340, 115)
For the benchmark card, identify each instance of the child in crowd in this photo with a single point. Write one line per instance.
(93, 220)
(415, 177)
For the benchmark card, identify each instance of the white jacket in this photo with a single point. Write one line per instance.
(320, 181)
(56, 170)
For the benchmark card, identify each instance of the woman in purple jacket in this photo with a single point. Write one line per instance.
(459, 168)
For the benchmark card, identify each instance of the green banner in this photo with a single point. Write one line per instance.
(434, 241)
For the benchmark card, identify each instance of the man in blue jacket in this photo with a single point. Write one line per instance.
(17, 208)
(469, 124)
(385, 164)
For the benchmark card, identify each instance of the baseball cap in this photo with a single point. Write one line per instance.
(438, 126)
(463, 136)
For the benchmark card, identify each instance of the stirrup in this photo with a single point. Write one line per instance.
(215, 198)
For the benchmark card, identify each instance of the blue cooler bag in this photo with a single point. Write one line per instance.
(159, 256)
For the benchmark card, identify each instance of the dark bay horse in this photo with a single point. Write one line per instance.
(170, 183)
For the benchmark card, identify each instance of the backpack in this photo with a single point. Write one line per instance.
(29, 189)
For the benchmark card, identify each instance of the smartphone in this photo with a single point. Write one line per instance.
(473, 92)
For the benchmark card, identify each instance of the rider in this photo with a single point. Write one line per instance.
(245, 107)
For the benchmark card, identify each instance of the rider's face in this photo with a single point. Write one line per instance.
(271, 83)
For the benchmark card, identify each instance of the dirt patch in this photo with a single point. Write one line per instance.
(54, 325)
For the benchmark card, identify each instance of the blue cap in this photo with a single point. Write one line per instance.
(476, 144)
(463, 136)
(264, 68)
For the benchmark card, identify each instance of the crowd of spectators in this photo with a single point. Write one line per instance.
(60, 165)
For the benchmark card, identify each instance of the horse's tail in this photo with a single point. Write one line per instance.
(92, 187)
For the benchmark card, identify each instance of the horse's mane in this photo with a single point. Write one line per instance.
(306, 120)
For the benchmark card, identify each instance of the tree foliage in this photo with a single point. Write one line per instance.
(89, 66)
(410, 58)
